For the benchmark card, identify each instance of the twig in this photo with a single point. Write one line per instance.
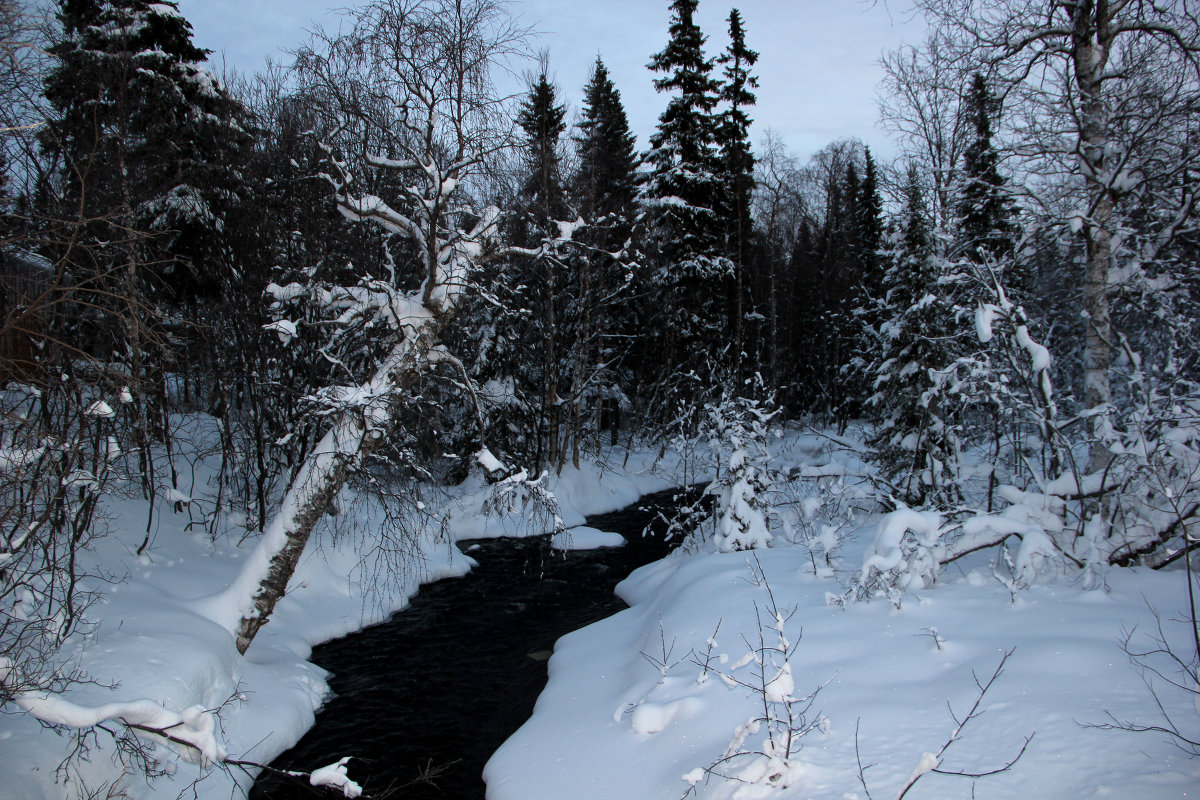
(956, 734)
(862, 771)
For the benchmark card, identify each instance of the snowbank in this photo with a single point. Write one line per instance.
(888, 673)
(692, 690)
(662, 696)
(154, 650)
(584, 538)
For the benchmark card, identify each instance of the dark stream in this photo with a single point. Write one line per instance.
(444, 682)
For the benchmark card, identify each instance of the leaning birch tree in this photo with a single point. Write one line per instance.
(411, 82)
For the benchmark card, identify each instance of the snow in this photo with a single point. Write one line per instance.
(101, 410)
(985, 315)
(889, 680)
(882, 674)
(567, 230)
(581, 537)
(163, 10)
(491, 465)
(285, 329)
(336, 776)
(886, 552)
(611, 723)
(1039, 356)
(161, 652)
(194, 727)
(927, 763)
(173, 495)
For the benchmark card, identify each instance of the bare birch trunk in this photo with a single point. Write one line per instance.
(1091, 42)
(348, 442)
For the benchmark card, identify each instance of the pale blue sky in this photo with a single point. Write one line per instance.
(818, 68)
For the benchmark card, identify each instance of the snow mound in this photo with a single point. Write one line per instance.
(584, 538)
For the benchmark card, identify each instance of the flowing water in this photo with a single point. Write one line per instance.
(444, 682)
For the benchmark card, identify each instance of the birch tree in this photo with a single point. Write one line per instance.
(1098, 136)
(920, 98)
(1103, 94)
(413, 77)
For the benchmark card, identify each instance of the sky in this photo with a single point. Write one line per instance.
(818, 67)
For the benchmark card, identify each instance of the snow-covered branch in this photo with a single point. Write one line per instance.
(431, 58)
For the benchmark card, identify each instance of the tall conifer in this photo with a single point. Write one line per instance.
(148, 149)
(985, 209)
(543, 119)
(738, 159)
(605, 191)
(142, 130)
(915, 439)
(870, 223)
(605, 183)
(548, 280)
(690, 274)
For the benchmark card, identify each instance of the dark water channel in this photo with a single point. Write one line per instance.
(445, 681)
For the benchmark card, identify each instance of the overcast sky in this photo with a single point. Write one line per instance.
(818, 67)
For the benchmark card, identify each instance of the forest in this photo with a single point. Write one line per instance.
(372, 275)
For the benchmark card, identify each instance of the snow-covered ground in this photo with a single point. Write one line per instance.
(639, 701)
(887, 673)
(151, 636)
(697, 687)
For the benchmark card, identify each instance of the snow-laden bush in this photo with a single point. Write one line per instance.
(912, 546)
(737, 431)
(742, 509)
(519, 500)
(1152, 487)
(1028, 481)
(764, 750)
(1137, 505)
(906, 554)
(821, 503)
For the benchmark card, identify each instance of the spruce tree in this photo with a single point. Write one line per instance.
(605, 189)
(684, 189)
(147, 148)
(915, 439)
(847, 281)
(690, 275)
(863, 303)
(543, 120)
(542, 289)
(146, 137)
(984, 207)
(804, 352)
(870, 221)
(734, 140)
(848, 227)
(605, 184)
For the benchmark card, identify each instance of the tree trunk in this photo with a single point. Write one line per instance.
(1091, 41)
(351, 438)
(550, 366)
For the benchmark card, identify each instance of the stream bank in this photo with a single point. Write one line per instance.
(445, 681)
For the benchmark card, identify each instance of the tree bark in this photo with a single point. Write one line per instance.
(1091, 43)
(350, 440)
